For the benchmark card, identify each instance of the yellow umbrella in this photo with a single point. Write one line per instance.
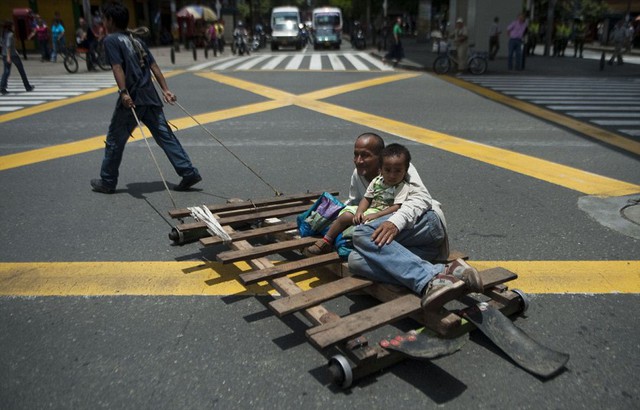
(197, 12)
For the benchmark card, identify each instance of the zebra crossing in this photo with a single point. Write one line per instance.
(52, 88)
(338, 61)
(612, 103)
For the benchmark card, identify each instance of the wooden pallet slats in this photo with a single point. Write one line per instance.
(363, 321)
(283, 269)
(251, 233)
(264, 250)
(308, 197)
(317, 295)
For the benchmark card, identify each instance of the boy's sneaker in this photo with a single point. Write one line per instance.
(465, 272)
(188, 182)
(321, 247)
(31, 88)
(99, 186)
(4, 92)
(442, 289)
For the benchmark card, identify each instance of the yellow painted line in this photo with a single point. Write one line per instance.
(552, 116)
(571, 276)
(562, 175)
(24, 158)
(211, 278)
(37, 109)
(132, 278)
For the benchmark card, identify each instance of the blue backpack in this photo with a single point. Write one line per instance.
(316, 220)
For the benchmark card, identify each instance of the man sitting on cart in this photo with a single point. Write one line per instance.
(399, 249)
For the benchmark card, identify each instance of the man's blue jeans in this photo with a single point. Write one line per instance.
(123, 123)
(515, 47)
(404, 261)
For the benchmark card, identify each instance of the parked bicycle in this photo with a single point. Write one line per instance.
(477, 61)
(71, 55)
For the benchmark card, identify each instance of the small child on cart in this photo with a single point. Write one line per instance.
(384, 196)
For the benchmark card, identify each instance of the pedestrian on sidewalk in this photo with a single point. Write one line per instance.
(57, 37)
(494, 39)
(132, 64)
(618, 37)
(579, 35)
(396, 53)
(10, 56)
(41, 33)
(516, 31)
(460, 38)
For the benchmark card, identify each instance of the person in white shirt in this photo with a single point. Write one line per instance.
(398, 248)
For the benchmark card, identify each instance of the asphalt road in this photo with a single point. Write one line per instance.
(100, 311)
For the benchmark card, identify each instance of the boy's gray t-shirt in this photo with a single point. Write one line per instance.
(120, 50)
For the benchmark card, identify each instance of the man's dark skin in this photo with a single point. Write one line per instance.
(366, 157)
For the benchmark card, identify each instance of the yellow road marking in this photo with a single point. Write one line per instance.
(562, 175)
(552, 116)
(198, 278)
(568, 177)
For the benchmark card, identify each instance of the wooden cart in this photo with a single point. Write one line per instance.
(342, 339)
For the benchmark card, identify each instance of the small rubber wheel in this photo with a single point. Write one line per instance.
(340, 370)
(523, 298)
(176, 236)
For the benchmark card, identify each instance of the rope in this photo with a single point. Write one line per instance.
(204, 214)
(278, 193)
(144, 137)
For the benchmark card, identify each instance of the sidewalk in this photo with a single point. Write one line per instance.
(34, 67)
(419, 56)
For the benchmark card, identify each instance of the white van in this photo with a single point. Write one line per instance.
(327, 16)
(285, 27)
(327, 27)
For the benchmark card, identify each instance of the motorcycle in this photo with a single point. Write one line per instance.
(255, 43)
(240, 45)
(358, 40)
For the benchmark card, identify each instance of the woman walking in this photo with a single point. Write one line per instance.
(10, 56)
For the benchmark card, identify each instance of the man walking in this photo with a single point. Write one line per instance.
(132, 65)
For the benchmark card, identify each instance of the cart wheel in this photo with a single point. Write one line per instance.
(341, 371)
(176, 237)
(524, 299)
(173, 55)
(71, 63)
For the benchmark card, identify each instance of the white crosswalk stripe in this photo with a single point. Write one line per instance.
(52, 88)
(338, 61)
(612, 103)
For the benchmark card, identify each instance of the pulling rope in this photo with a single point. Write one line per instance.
(144, 137)
(278, 193)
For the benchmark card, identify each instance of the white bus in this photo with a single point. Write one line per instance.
(285, 27)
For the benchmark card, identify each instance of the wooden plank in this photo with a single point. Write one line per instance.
(349, 326)
(251, 233)
(317, 295)
(283, 269)
(310, 196)
(316, 315)
(275, 213)
(495, 276)
(264, 250)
